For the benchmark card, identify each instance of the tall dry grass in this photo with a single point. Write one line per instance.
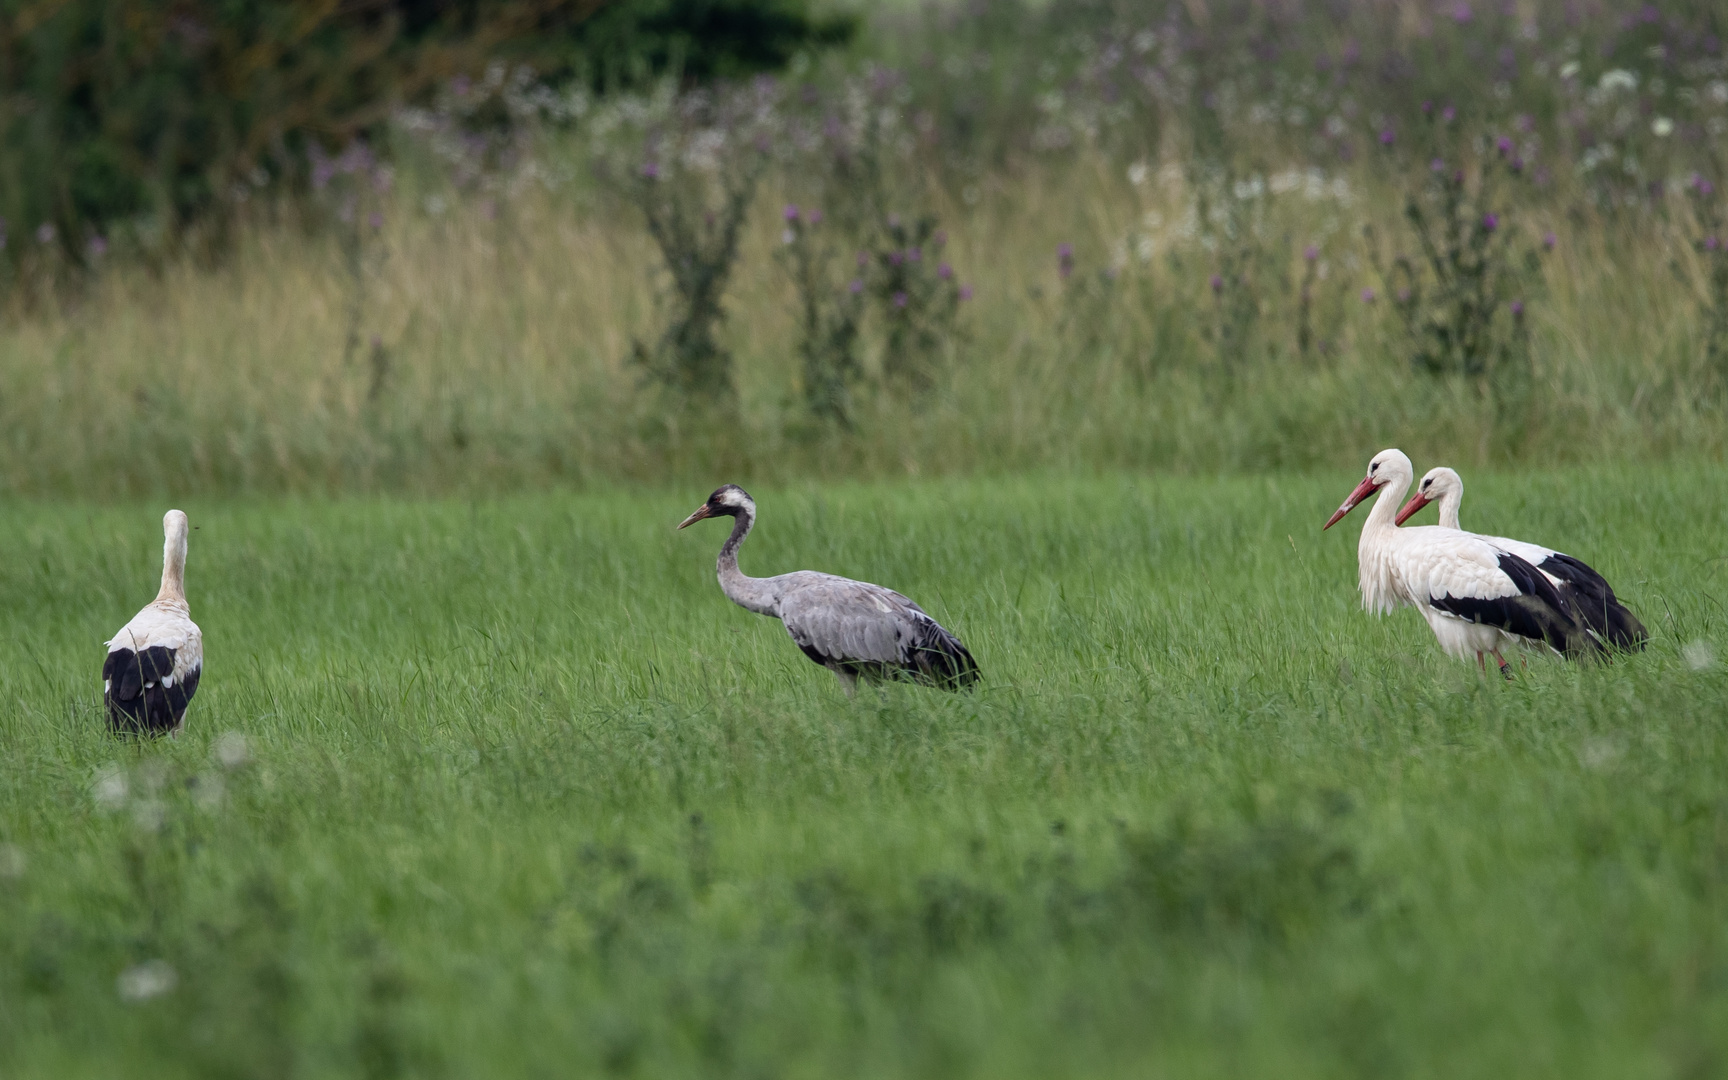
(495, 336)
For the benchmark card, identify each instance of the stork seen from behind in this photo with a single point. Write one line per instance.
(852, 628)
(1477, 597)
(155, 660)
(1591, 597)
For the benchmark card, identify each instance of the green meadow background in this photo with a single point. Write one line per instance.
(520, 792)
(485, 776)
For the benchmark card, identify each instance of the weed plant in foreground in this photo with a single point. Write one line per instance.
(509, 788)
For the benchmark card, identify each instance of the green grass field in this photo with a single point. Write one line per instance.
(525, 795)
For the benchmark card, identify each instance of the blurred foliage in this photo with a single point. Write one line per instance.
(136, 120)
(634, 42)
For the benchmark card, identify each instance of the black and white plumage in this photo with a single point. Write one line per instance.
(1476, 596)
(155, 660)
(1591, 598)
(852, 628)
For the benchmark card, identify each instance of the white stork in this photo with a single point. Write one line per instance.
(852, 628)
(1591, 597)
(1476, 596)
(155, 660)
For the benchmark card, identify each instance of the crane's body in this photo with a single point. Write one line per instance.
(154, 662)
(852, 628)
(1475, 596)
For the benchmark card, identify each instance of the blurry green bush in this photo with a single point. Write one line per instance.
(140, 122)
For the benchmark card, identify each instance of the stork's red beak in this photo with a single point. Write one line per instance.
(1363, 490)
(701, 512)
(1417, 502)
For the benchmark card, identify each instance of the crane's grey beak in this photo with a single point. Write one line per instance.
(1363, 490)
(1417, 502)
(701, 512)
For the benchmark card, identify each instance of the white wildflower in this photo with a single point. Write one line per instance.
(1661, 127)
(1568, 69)
(108, 787)
(1137, 173)
(1699, 655)
(1617, 79)
(230, 750)
(152, 978)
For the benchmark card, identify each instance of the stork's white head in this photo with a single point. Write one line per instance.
(1389, 468)
(1436, 486)
(729, 500)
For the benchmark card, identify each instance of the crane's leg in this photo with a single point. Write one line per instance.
(848, 681)
(1482, 663)
(1505, 668)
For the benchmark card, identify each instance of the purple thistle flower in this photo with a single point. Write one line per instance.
(857, 286)
(790, 213)
(1427, 108)
(965, 292)
(1387, 136)
(1548, 241)
(813, 217)
(45, 233)
(1449, 114)
(650, 171)
(916, 255)
(1310, 253)
(944, 271)
(1490, 222)
(895, 258)
(1517, 309)
(1403, 296)
(1064, 251)
(1706, 188)
(1367, 296)
(1461, 13)
(375, 219)
(97, 247)
(1437, 165)
(863, 259)
(1526, 122)
(899, 299)
(1217, 284)
(1504, 145)
(1064, 260)
(1710, 243)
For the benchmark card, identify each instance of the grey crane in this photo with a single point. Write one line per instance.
(852, 628)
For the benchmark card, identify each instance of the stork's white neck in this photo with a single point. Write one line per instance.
(173, 589)
(1450, 501)
(753, 594)
(1374, 549)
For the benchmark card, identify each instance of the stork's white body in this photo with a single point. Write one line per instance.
(154, 662)
(1476, 597)
(1585, 592)
(1415, 566)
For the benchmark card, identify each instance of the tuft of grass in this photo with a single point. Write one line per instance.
(523, 793)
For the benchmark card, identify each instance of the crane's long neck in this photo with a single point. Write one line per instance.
(173, 589)
(755, 594)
